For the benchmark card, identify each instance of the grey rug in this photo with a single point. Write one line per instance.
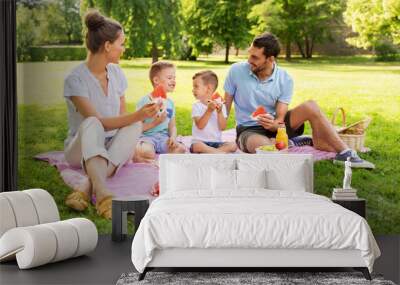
(242, 278)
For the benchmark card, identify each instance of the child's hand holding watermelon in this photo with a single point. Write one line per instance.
(217, 98)
(160, 96)
(218, 101)
(212, 105)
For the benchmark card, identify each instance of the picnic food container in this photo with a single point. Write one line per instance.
(353, 135)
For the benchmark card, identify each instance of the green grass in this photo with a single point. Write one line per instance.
(360, 85)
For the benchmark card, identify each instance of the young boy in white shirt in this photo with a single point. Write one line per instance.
(209, 117)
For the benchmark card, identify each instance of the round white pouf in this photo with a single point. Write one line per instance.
(45, 205)
(23, 208)
(32, 246)
(6, 215)
(30, 230)
(37, 245)
(87, 234)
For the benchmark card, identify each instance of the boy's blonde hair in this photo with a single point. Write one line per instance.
(157, 67)
(208, 77)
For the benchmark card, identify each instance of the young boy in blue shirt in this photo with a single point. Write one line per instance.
(159, 133)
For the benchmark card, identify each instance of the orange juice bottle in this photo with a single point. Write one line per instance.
(281, 136)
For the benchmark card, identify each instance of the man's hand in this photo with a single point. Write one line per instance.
(211, 106)
(148, 110)
(160, 118)
(268, 122)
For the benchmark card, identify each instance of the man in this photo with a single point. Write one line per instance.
(260, 81)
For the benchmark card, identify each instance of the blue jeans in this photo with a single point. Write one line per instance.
(158, 140)
(210, 144)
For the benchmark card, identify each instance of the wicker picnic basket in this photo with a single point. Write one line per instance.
(353, 135)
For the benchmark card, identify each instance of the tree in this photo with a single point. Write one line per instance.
(316, 24)
(30, 3)
(152, 27)
(27, 32)
(302, 22)
(375, 22)
(65, 24)
(32, 26)
(72, 21)
(50, 22)
(105, 6)
(276, 18)
(193, 43)
(221, 22)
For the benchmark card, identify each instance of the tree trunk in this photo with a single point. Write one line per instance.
(312, 46)
(154, 52)
(107, 8)
(288, 34)
(227, 52)
(69, 38)
(300, 49)
(69, 33)
(307, 47)
(288, 49)
(90, 4)
(237, 51)
(310, 51)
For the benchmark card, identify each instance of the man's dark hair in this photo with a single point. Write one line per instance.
(269, 42)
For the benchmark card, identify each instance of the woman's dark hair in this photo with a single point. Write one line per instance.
(100, 30)
(269, 42)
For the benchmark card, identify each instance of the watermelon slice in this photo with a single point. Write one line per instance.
(160, 96)
(155, 190)
(216, 98)
(159, 92)
(260, 110)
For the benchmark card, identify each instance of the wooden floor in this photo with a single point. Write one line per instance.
(111, 259)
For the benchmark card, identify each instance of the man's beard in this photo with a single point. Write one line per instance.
(259, 69)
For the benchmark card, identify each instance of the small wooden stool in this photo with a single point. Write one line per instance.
(121, 207)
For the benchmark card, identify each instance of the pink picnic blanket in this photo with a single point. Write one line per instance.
(138, 178)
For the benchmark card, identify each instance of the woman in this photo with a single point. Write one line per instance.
(101, 136)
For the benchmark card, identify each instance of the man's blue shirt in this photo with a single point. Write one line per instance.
(249, 92)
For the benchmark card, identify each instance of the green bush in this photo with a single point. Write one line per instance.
(386, 52)
(57, 53)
